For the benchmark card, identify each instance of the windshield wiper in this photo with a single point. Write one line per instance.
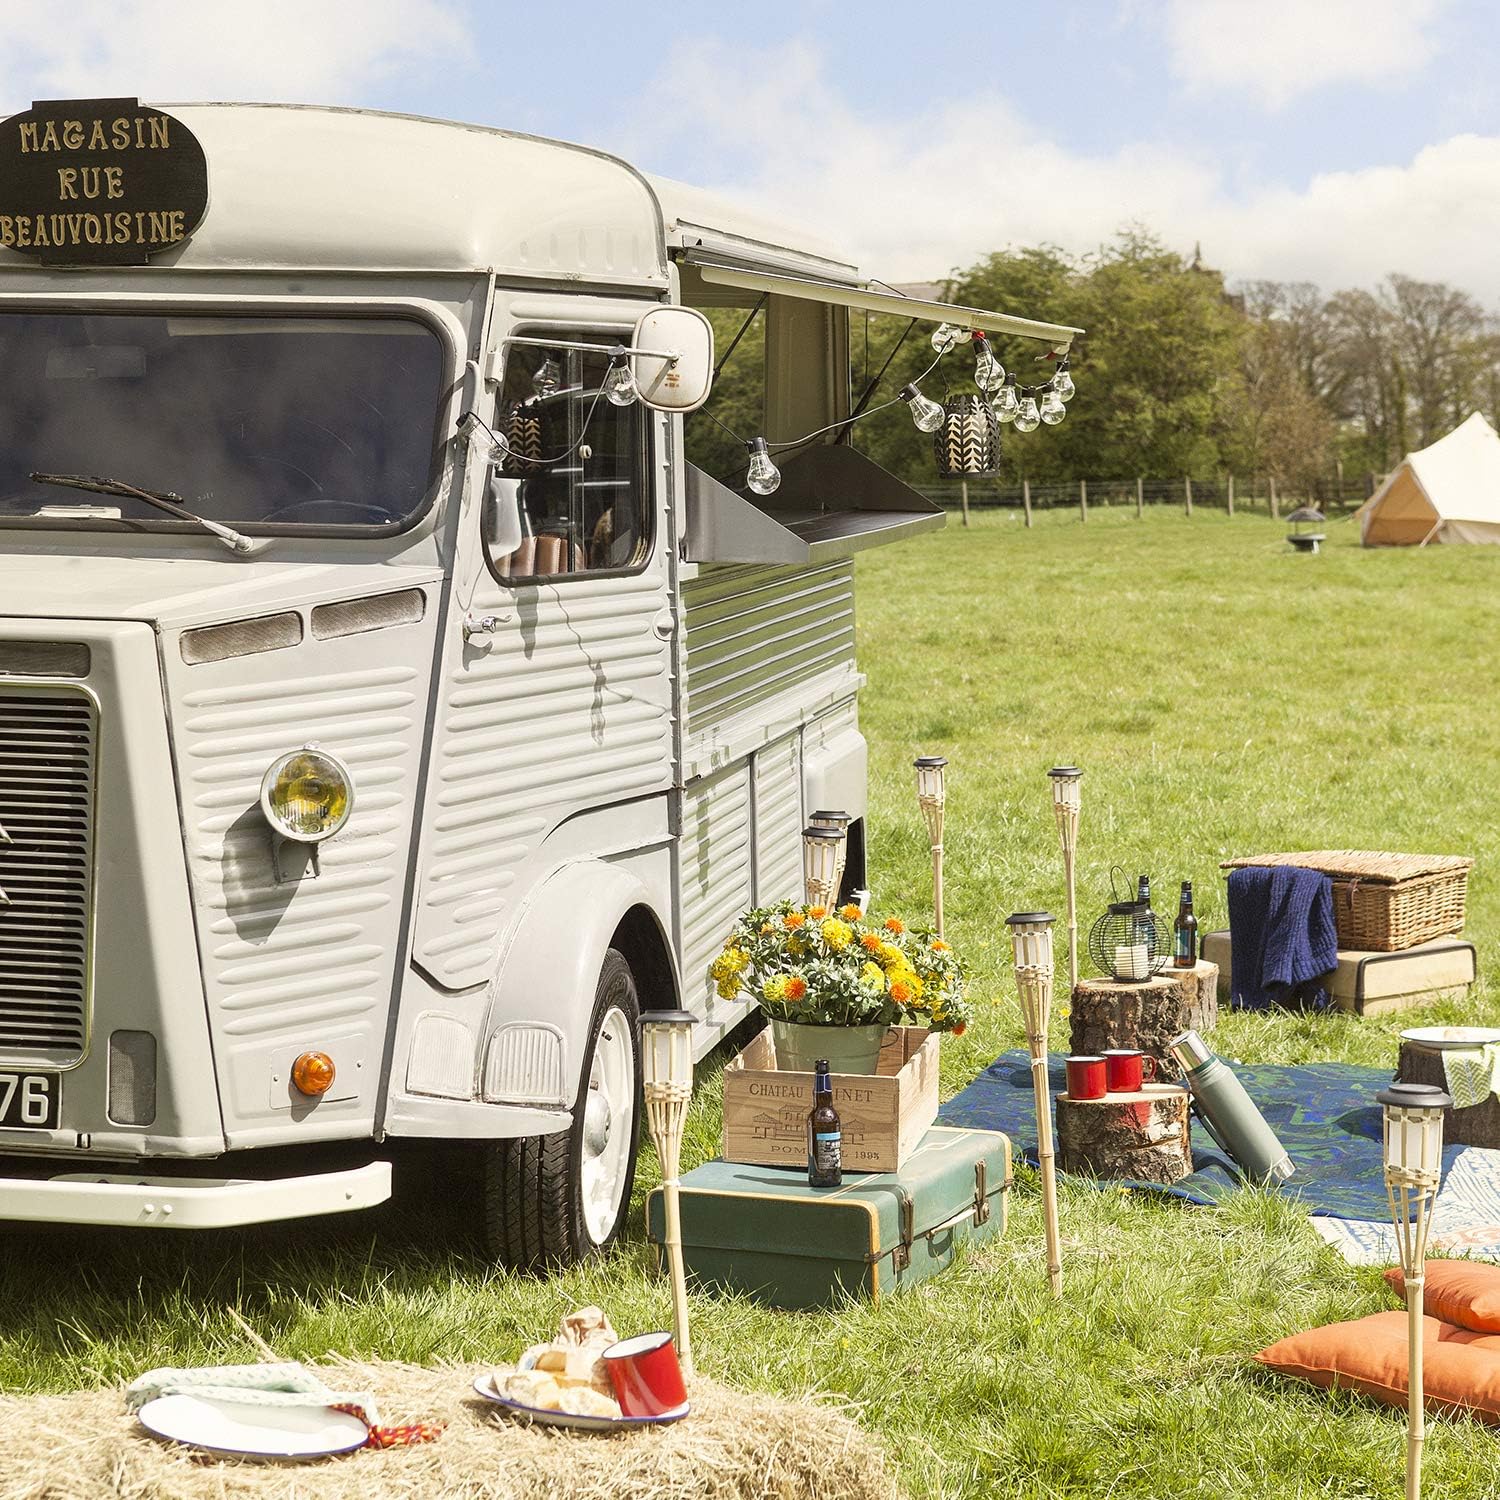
(165, 500)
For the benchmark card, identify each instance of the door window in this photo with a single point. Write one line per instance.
(575, 465)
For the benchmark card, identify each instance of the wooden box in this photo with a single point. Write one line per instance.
(884, 1115)
(1373, 983)
(764, 1232)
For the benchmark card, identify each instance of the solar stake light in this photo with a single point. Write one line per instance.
(931, 793)
(836, 820)
(1067, 798)
(1031, 941)
(1413, 1169)
(822, 858)
(667, 1082)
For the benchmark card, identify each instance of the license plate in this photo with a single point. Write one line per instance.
(30, 1101)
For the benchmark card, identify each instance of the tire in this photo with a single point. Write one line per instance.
(556, 1200)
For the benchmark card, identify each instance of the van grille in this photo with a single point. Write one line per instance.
(46, 861)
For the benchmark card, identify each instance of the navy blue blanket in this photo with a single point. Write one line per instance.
(1324, 1114)
(1282, 941)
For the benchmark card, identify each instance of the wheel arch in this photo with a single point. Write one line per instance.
(542, 998)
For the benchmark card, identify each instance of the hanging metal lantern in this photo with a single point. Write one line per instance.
(968, 442)
(1130, 943)
(523, 439)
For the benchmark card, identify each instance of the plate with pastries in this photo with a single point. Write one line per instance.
(566, 1382)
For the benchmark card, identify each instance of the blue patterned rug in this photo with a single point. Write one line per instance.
(1324, 1114)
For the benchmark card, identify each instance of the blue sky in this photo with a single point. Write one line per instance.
(1328, 140)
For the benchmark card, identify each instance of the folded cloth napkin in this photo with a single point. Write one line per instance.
(1472, 1073)
(1282, 941)
(289, 1385)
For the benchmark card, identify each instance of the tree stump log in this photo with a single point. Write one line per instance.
(1144, 1015)
(1142, 1136)
(1479, 1125)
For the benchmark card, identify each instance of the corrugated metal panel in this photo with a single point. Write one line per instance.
(568, 707)
(285, 960)
(716, 874)
(778, 821)
(751, 633)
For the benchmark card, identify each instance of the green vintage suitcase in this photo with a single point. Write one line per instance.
(764, 1231)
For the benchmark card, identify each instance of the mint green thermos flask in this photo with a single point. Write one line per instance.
(1229, 1113)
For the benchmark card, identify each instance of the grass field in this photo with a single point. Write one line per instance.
(1224, 696)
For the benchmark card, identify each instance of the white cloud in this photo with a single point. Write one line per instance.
(297, 50)
(913, 200)
(1272, 51)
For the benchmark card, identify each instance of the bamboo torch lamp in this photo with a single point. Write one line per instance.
(1031, 940)
(835, 820)
(1067, 786)
(1413, 1170)
(667, 1078)
(931, 794)
(822, 858)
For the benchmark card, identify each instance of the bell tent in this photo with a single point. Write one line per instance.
(1447, 492)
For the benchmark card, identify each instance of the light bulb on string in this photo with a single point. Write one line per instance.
(1028, 418)
(1007, 403)
(1062, 383)
(925, 412)
(548, 378)
(989, 373)
(944, 337)
(1052, 410)
(619, 382)
(763, 476)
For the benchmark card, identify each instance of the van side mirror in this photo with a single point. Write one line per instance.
(500, 516)
(680, 383)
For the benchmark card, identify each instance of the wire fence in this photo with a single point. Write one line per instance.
(1232, 494)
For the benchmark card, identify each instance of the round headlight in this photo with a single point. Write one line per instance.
(307, 796)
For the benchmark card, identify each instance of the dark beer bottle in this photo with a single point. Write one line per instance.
(825, 1136)
(1185, 931)
(1147, 930)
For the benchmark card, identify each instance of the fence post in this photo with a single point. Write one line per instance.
(1275, 505)
(1231, 494)
(1083, 499)
(1026, 499)
(963, 490)
(1140, 499)
(1187, 489)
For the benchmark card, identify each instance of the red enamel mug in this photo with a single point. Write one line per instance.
(1086, 1077)
(645, 1374)
(1126, 1070)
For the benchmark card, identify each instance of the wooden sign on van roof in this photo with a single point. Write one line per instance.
(98, 182)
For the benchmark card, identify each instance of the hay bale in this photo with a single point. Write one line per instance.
(734, 1446)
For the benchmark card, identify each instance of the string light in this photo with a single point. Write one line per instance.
(989, 373)
(619, 382)
(927, 414)
(1028, 418)
(1062, 382)
(1052, 410)
(944, 337)
(763, 476)
(1007, 402)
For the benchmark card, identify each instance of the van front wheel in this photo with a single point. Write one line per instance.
(554, 1200)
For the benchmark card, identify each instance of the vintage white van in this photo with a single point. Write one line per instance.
(361, 774)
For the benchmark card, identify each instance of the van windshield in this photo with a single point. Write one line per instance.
(267, 423)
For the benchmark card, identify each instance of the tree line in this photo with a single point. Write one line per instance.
(1180, 374)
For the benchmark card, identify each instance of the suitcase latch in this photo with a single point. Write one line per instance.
(981, 1197)
(901, 1255)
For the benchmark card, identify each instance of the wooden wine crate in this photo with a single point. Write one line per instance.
(883, 1115)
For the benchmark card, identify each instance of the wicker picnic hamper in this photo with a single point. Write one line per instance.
(1384, 902)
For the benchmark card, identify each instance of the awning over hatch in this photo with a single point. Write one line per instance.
(719, 271)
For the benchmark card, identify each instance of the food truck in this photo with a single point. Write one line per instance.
(390, 708)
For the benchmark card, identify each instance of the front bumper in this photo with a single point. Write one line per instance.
(129, 1201)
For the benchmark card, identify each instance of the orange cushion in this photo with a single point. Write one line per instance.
(1460, 1368)
(1466, 1292)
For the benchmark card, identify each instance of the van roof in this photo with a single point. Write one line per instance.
(307, 187)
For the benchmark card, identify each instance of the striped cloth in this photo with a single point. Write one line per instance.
(1472, 1074)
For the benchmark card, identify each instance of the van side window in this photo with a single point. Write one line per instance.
(580, 465)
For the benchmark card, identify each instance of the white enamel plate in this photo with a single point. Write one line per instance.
(1452, 1036)
(485, 1387)
(245, 1431)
